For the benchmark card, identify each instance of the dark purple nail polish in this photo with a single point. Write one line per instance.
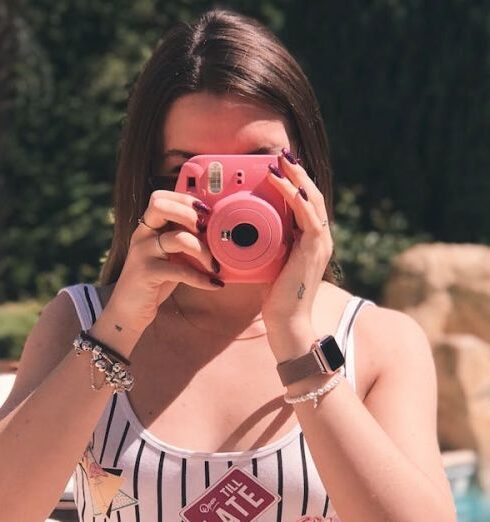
(275, 170)
(302, 191)
(287, 154)
(201, 225)
(215, 264)
(216, 282)
(201, 207)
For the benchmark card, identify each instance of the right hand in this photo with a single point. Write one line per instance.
(147, 279)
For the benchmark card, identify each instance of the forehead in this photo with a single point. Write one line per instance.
(208, 123)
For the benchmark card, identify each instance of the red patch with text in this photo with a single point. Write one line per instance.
(236, 497)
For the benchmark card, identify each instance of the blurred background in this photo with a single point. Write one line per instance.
(404, 90)
(403, 87)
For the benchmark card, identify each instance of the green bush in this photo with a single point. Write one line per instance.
(365, 242)
(407, 124)
(16, 320)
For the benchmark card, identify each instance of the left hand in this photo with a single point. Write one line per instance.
(290, 299)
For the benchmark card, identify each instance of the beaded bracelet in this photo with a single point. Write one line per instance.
(313, 395)
(105, 360)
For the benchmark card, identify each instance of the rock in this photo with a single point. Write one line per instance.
(463, 375)
(446, 288)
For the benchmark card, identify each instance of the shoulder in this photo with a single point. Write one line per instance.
(104, 292)
(47, 344)
(384, 326)
(392, 339)
(59, 314)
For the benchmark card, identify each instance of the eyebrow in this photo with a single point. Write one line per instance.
(188, 155)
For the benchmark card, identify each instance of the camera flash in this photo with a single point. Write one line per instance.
(215, 177)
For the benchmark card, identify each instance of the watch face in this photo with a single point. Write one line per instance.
(332, 352)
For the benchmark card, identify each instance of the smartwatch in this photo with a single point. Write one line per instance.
(324, 357)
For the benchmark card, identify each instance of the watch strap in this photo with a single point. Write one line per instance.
(325, 357)
(297, 369)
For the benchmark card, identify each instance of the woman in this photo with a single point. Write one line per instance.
(205, 433)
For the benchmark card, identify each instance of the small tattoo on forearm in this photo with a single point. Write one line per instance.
(301, 291)
(118, 328)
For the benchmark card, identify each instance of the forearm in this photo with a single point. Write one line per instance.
(43, 438)
(367, 477)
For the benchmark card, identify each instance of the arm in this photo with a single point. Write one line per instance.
(379, 460)
(50, 414)
(52, 387)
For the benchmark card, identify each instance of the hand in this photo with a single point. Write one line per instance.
(290, 299)
(148, 278)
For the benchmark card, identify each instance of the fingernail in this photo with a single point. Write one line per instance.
(216, 282)
(299, 160)
(275, 170)
(201, 207)
(201, 225)
(287, 154)
(302, 191)
(215, 265)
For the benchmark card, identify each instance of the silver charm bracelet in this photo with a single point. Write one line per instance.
(105, 360)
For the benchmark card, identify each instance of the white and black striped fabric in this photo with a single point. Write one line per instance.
(160, 479)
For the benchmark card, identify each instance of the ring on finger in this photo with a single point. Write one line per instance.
(163, 252)
(141, 221)
(324, 222)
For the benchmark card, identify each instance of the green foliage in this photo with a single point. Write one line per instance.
(16, 320)
(365, 255)
(75, 61)
(402, 85)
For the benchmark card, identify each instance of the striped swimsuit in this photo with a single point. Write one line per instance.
(128, 475)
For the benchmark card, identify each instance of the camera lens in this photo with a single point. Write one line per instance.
(244, 235)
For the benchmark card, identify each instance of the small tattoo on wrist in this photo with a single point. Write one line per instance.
(118, 328)
(301, 291)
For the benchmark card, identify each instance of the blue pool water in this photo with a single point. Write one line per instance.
(474, 506)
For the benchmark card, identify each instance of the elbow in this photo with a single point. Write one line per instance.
(447, 511)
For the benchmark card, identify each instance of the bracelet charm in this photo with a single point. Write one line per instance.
(107, 361)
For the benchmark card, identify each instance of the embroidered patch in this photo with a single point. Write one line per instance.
(235, 497)
(104, 486)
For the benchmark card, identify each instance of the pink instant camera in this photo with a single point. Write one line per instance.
(250, 229)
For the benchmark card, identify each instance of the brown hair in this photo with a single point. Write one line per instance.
(222, 53)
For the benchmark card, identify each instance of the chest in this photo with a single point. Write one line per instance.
(233, 402)
(155, 478)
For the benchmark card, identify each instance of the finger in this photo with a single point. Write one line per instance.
(308, 216)
(182, 273)
(299, 177)
(181, 241)
(294, 171)
(181, 197)
(305, 212)
(162, 210)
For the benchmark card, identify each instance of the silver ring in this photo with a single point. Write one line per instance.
(164, 253)
(141, 221)
(324, 222)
